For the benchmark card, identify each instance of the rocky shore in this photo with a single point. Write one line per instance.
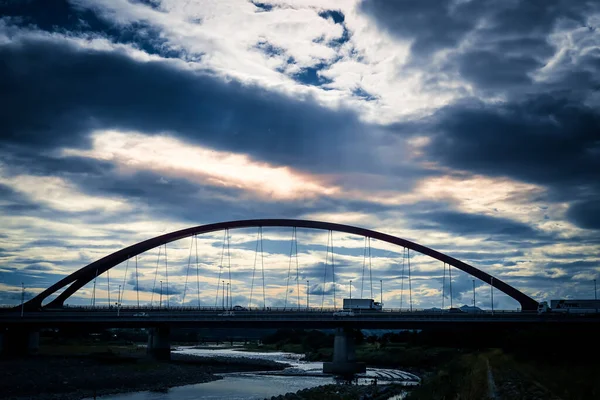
(75, 377)
(232, 364)
(345, 392)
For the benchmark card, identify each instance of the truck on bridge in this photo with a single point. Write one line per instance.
(362, 305)
(570, 306)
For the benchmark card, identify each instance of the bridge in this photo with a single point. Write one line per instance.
(49, 309)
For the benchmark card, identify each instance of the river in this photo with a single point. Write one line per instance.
(259, 385)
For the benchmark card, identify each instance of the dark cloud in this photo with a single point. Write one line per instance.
(495, 70)
(74, 19)
(507, 41)
(547, 140)
(429, 25)
(585, 214)
(435, 25)
(471, 224)
(155, 97)
(154, 4)
(37, 267)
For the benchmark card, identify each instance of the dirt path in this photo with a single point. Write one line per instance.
(491, 383)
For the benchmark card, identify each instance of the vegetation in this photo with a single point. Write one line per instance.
(525, 364)
(463, 378)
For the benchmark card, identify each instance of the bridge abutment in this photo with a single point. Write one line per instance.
(159, 344)
(344, 355)
(19, 341)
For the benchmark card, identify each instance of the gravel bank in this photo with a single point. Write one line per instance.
(345, 392)
(77, 377)
(234, 364)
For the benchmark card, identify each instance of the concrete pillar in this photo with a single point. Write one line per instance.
(19, 341)
(159, 346)
(344, 355)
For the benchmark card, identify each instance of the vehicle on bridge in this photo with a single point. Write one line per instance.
(570, 306)
(362, 304)
(141, 314)
(343, 313)
(227, 314)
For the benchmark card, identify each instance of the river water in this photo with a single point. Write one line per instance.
(259, 385)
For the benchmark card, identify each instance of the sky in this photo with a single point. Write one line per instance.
(468, 126)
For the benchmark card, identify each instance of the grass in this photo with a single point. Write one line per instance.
(572, 380)
(463, 378)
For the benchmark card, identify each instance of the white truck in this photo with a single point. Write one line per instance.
(362, 305)
(570, 306)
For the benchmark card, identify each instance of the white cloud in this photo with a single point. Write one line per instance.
(59, 194)
(171, 157)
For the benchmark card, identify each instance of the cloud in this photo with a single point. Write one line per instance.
(469, 224)
(156, 97)
(167, 156)
(470, 127)
(585, 214)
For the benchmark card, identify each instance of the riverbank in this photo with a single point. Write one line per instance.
(345, 392)
(418, 360)
(81, 375)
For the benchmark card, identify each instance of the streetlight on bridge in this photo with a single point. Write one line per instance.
(118, 303)
(350, 291)
(223, 295)
(473, 293)
(228, 297)
(307, 296)
(381, 292)
(160, 298)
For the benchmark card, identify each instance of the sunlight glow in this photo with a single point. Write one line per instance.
(174, 158)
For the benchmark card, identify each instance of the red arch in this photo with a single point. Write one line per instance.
(81, 277)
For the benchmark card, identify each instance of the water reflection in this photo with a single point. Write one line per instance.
(259, 385)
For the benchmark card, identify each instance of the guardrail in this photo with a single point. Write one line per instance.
(125, 308)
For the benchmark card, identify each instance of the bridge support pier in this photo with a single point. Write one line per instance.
(19, 341)
(344, 355)
(159, 345)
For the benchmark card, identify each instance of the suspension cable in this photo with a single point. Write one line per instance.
(137, 281)
(155, 275)
(333, 271)
(254, 269)
(167, 275)
(287, 286)
(197, 270)
(297, 270)
(220, 269)
(362, 280)
(108, 285)
(444, 286)
(325, 274)
(409, 280)
(450, 272)
(229, 269)
(188, 270)
(94, 290)
(402, 277)
(370, 269)
(122, 292)
(262, 263)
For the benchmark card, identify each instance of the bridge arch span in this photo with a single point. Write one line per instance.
(79, 278)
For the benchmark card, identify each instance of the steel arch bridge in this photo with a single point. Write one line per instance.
(79, 278)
